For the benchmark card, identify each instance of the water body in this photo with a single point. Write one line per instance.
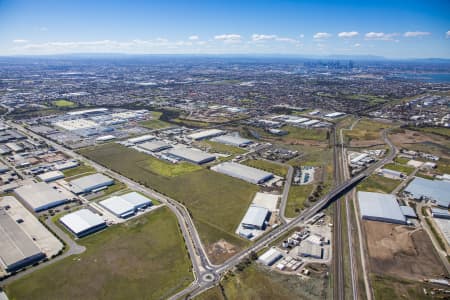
(424, 77)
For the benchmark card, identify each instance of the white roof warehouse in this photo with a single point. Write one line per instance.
(380, 207)
(40, 196)
(83, 222)
(124, 206)
(90, 183)
(193, 156)
(243, 172)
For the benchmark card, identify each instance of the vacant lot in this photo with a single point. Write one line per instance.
(366, 133)
(63, 103)
(256, 283)
(422, 141)
(400, 167)
(379, 184)
(155, 122)
(144, 258)
(297, 133)
(267, 166)
(401, 251)
(167, 169)
(298, 195)
(217, 202)
(220, 148)
(81, 169)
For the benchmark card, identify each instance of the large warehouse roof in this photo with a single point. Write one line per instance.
(432, 189)
(125, 205)
(51, 176)
(40, 196)
(255, 217)
(142, 138)
(83, 222)
(380, 207)
(270, 256)
(154, 146)
(190, 155)
(17, 249)
(205, 134)
(243, 172)
(232, 140)
(90, 182)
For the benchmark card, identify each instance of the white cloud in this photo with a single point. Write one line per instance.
(447, 34)
(20, 41)
(228, 38)
(194, 38)
(348, 34)
(357, 45)
(263, 37)
(322, 35)
(380, 36)
(416, 33)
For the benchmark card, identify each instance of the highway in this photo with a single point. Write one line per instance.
(207, 274)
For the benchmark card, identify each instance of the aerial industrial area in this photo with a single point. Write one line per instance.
(223, 178)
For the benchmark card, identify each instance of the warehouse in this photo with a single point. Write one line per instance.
(125, 206)
(307, 249)
(17, 249)
(408, 211)
(90, 183)
(105, 138)
(205, 134)
(40, 196)
(50, 176)
(243, 172)
(232, 140)
(255, 217)
(83, 222)
(335, 115)
(14, 147)
(380, 207)
(421, 188)
(87, 112)
(440, 213)
(141, 139)
(154, 146)
(71, 125)
(270, 257)
(66, 165)
(190, 155)
(391, 174)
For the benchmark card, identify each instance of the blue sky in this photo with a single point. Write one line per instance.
(396, 29)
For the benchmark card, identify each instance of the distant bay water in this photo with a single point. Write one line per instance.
(424, 77)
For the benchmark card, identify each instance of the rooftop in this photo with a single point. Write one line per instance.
(380, 207)
(243, 172)
(40, 195)
(432, 189)
(81, 220)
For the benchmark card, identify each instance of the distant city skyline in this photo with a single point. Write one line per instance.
(393, 29)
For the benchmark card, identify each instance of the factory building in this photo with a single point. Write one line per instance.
(154, 146)
(77, 124)
(141, 139)
(232, 140)
(40, 196)
(243, 172)
(380, 207)
(83, 222)
(125, 206)
(270, 257)
(17, 249)
(440, 213)
(205, 134)
(391, 174)
(436, 190)
(190, 155)
(51, 176)
(255, 217)
(90, 183)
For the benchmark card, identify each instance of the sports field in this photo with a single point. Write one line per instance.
(63, 103)
(217, 202)
(144, 258)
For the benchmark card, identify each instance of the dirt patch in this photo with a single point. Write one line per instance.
(410, 137)
(401, 251)
(305, 143)
(365, 144)
(221, 250)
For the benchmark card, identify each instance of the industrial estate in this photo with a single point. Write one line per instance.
(224, 178)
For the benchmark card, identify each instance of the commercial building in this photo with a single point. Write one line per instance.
(391, 173)
(141, 139)
(90, 183)
(436, 190)
(243, 172)
(126, 205)
(194, 156)
(440, 213)
(154, 146)
(255, 217)
(17, 249)
(270, 257)
(40, 196)
(83, 222)
(50, 176)
(380, 207)
(232, 140)
(204, 134)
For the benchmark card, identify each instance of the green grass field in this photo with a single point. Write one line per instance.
(401, 160)
(388, 288)
(267, 166)
(217, 202)
(445, 132)
(155, 122)
(64, 103)
(298, 195)
(167, 169)
(297, 133)
(81, 169)
(220, 148)
(366, 130)
(144, 258)
(379, 184)
(255, 283)
(399, 167)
